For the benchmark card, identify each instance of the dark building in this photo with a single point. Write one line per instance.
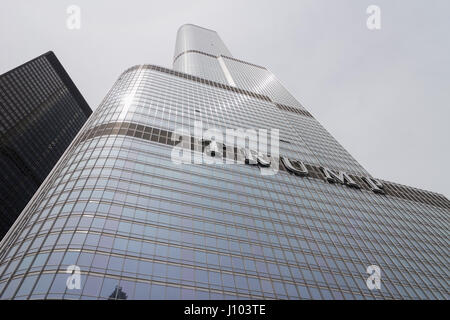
(139, 220)
(41, 111)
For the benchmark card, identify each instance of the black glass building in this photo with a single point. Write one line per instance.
(147, 206)
(41, 111)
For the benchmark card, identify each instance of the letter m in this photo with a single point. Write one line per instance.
(341, 177)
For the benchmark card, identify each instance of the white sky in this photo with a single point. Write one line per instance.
(383, 94)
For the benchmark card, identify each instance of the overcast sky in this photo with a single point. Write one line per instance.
(383, 94)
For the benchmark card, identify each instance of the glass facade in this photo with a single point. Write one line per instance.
(41, 111)
(140, 226)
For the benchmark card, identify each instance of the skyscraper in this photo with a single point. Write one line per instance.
(41, 112)
(131, 207)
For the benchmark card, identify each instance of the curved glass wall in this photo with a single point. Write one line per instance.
(141, 227)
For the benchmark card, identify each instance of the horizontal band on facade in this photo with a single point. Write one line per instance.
(199, 80)
(194, 51)
(294, 110)
(280, 106)
(218, 85)
(244, 62)
(213, 56)
(165, 137)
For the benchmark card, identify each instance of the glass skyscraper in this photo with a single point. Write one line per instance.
(140, 225)
(41, 111)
